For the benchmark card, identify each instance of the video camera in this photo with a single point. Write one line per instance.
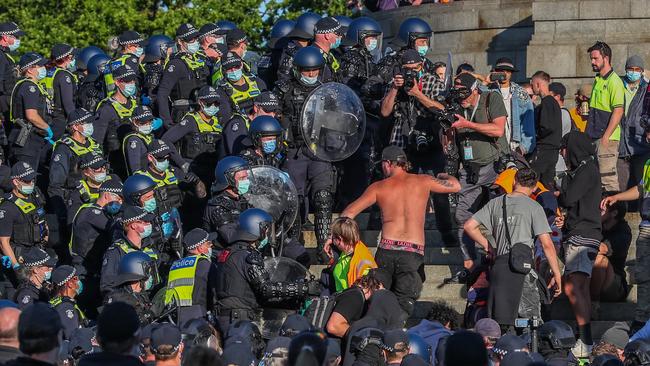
(446, 118)
(410, 76)
(532, 324)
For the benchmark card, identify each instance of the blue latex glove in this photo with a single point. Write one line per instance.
(168, 229)
(49, 133)
(145, 100)
(157, 123)
(165, 217)
(6, 261)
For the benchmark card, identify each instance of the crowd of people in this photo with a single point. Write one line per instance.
(129, 234)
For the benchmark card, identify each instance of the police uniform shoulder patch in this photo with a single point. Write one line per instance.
(105, 262)
(69, 313)
(170, 68)
(96, 211)
(32, 89)
(183, 122)
(133, 144)
(25, 165)
(57, 157)
(235, 127)
(2, 214)
(26, 299)
(68, 80)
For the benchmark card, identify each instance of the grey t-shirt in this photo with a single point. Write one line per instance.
(484, 148)
(526, 220)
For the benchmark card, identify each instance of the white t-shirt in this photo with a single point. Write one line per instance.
(507, 101)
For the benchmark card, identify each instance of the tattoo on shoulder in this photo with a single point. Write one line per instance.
(442, 182)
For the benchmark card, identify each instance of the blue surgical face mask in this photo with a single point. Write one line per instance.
(48, 275)
(145, 129)
(129, 90)
(633, 75)
(422, 50)
(148, 228)
(80, 289)
(149, 284)
(162, 165)
(193, 47)
(263, 243)
(309, 80)
(138, 52)
(150, 205)
(211, 110)
(243, 186)
(113, 207)
(27, 189)
(42, 73)
(336, 43)
(88, 129)
(372, 45)
(72, 66)
(234, 75)
(269, 146)
(15, 46)
(100, 177)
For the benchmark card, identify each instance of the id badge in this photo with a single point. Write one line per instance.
(468, 153)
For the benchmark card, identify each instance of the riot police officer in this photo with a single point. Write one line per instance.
(65, 173)
(555, 340)
(328, 34)
(92, 233)
(199, 135)
(267, 66)
(192, 277)
(304, 169)
(136, 143)
(10, 35)
(300, 36)
(137, 225)
(35, 273)
(140, 190)
(92, 88)
(240, 86)
(23, 216)
(82, 58)
(31, 112)
(185, 73)
(66, 286)
(243, 283)
(156, 54)
(230, 184)
(113, 115)
(268, 147)
(136, 275)
(130, 48)
(235, 132)
(61, 86)
(94, 170)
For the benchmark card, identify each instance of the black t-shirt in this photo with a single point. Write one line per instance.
(350, 304)
(618, 240)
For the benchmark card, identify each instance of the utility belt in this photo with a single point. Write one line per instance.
(240, 314)
(402, 246)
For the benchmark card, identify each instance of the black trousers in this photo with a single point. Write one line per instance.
(405, 273)
(505, 292)
(543, 162)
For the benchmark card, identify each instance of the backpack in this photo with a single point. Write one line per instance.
(318, 310)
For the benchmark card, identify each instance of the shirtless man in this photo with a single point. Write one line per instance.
(402, 198)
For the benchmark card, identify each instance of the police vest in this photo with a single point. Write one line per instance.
(48, 81)
(197, 77)
(203, 141)
(147, 139)
(82, 207)
(59, 300)
(124, 114)
(167, 190)
(78, 150)
(126, 249)
(180, 284)
(217, 75)
(46, 102)
(241, 97)
(331, 61)
(35, 230)
(87, 194)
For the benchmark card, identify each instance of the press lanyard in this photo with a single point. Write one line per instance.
(471, 118)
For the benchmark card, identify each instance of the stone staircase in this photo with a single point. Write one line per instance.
(443, 261)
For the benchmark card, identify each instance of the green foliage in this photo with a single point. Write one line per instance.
(85, 22)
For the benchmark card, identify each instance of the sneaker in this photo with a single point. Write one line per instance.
(581, 350)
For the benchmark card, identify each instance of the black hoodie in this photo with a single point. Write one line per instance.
(581, 190)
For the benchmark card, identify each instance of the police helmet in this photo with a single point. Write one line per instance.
(263, 126)
(361, 28)
(135, 186)
(364, 337)
(304, 28)
(135, 266)
(225, 25)
(224, 173)
(637, 353)
(254, 224)
(96, 64)
(280, 30)
(157, 46)
(309, 347)
(419, 346)
(86, 54)
(308, 58)
(412, 29)
(558, 334)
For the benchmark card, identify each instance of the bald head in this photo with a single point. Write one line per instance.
(9, 326)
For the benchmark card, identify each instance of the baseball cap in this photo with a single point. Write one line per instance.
(466, 81)
(23, 171)
(238, 353)
(186, 32)
(235, 37)
(118, 321)
(393, 153)
(504, 64)
(411, 56)
(488, 327)
(61, 50)
(517, 358)
(208, 29)
(30, 59)
(196, 237)
(165, 335)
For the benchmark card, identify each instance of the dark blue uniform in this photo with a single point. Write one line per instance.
(112, 259)
(235, 135)
(112, 124)
(134, 149)
(64, 90)
(71, 316)
(27, 293)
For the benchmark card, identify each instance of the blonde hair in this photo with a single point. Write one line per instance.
(347, 229)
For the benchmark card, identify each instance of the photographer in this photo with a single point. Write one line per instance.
(481, 140)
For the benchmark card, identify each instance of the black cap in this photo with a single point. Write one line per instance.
(10, 29)
(509, 343)
(231, 61)
(208, 95)
(268, 101)
(142, 113)
(117, 322)
(466, 81)
(23, 171)
(63, 274)
(38, 321)
(159, 149)
(78, 116)
(277, 342)
(135, 213)
(208, 29)
(238, 353)
(411, 56)
(393, 338)
(124, 73)
(294, 324)
(113, 185)
(60, 51)
(165, 334)
(328, 25)
(186, 32)
(393, 153)
(94, 161)
(504, 64)
(222, 48)
(196, 237)
(557, 89)
(30, 59)
(130, 38)
(235, 37)
(34, 257)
